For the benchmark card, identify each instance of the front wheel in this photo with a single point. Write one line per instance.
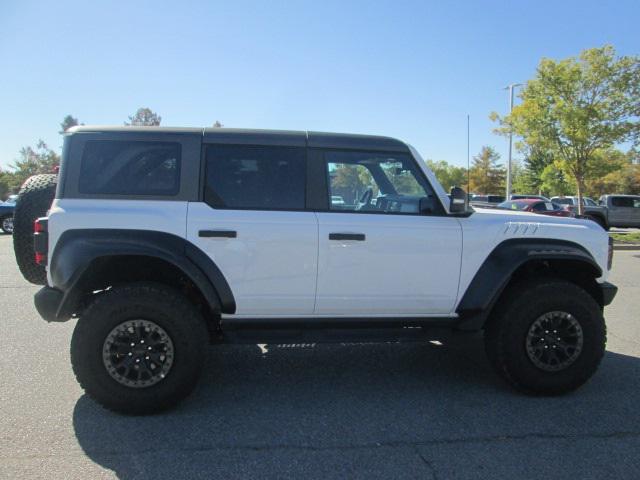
(139, 348)
(546, 336)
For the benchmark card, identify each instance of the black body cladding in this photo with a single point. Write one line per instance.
(498, 268)
(77, 250)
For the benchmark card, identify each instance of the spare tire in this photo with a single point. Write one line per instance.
(34, 200)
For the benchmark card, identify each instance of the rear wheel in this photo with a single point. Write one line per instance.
(546, 337)
(34, 201)
(139, 348)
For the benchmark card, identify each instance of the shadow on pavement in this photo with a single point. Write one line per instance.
(367, 411)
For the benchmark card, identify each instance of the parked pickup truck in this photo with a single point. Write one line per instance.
(591, 210)
(622, 210)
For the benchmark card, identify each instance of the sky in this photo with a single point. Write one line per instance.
(407, 69)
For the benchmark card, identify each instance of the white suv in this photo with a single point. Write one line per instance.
(162, 240)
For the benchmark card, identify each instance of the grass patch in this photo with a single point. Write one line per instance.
(633, 237)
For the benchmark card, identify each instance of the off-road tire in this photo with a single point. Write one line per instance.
(164, 306)
(34, 200)
(518, 308)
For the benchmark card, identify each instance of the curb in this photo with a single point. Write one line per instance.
(626, 247)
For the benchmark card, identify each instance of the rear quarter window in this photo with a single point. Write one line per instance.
(130, 168)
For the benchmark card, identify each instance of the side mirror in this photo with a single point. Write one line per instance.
(458, 202)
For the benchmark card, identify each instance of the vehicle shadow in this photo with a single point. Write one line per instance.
(332, 411)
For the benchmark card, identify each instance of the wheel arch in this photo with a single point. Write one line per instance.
(515, 260)
(87, 261)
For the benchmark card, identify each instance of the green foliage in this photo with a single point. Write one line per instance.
(144, 117)
(350, 181)
(7, 184)
(68, 122)
(535, 160)
(620, 173)
(554, 181)
(448, 175)
(486, 176)
(403, 181)
(574, 108)
(31, 161)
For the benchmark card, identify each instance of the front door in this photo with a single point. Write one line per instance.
(378, 255)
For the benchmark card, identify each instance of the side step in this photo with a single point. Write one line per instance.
(336, 330)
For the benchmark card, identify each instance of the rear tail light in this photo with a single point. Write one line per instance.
(41, 258)
(39, 225)
(40, 240)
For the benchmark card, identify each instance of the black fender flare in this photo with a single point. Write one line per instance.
(496, 271)
(76, 250)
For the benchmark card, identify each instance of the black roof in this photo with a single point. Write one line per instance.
(301, 139)
(265, 137)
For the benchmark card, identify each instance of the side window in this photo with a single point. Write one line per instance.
(130, 168)
(253, 177)
(376, 183)
(350, 184)
(622, 201)
(540, 207)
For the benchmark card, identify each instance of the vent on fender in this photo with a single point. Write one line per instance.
(513, 229)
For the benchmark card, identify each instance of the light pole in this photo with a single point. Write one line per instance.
(510, 88)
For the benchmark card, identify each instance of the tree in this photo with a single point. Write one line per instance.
(350, 181)
(554, 181)
(535, 160)
(618, 174)
(485, 175)
(217, 124)
(8, 184)
(33, 161)
(574, 108)
(68, 122)
(144, 117)
(448, 175)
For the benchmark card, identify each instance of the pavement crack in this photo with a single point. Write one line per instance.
(427, 463)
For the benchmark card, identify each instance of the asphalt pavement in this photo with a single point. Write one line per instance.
(358, 411)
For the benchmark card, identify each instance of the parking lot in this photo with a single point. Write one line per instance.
(359, 411)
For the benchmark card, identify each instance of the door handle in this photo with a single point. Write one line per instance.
(218, 233)
(347, 236)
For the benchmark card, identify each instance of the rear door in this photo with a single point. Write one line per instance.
(252, 224)
(377, 254)
(621, 212)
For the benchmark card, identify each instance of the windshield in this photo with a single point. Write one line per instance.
(514, 205)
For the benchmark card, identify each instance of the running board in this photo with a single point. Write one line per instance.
(336, 330)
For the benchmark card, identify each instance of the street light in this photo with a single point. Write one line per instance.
(510, 88)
